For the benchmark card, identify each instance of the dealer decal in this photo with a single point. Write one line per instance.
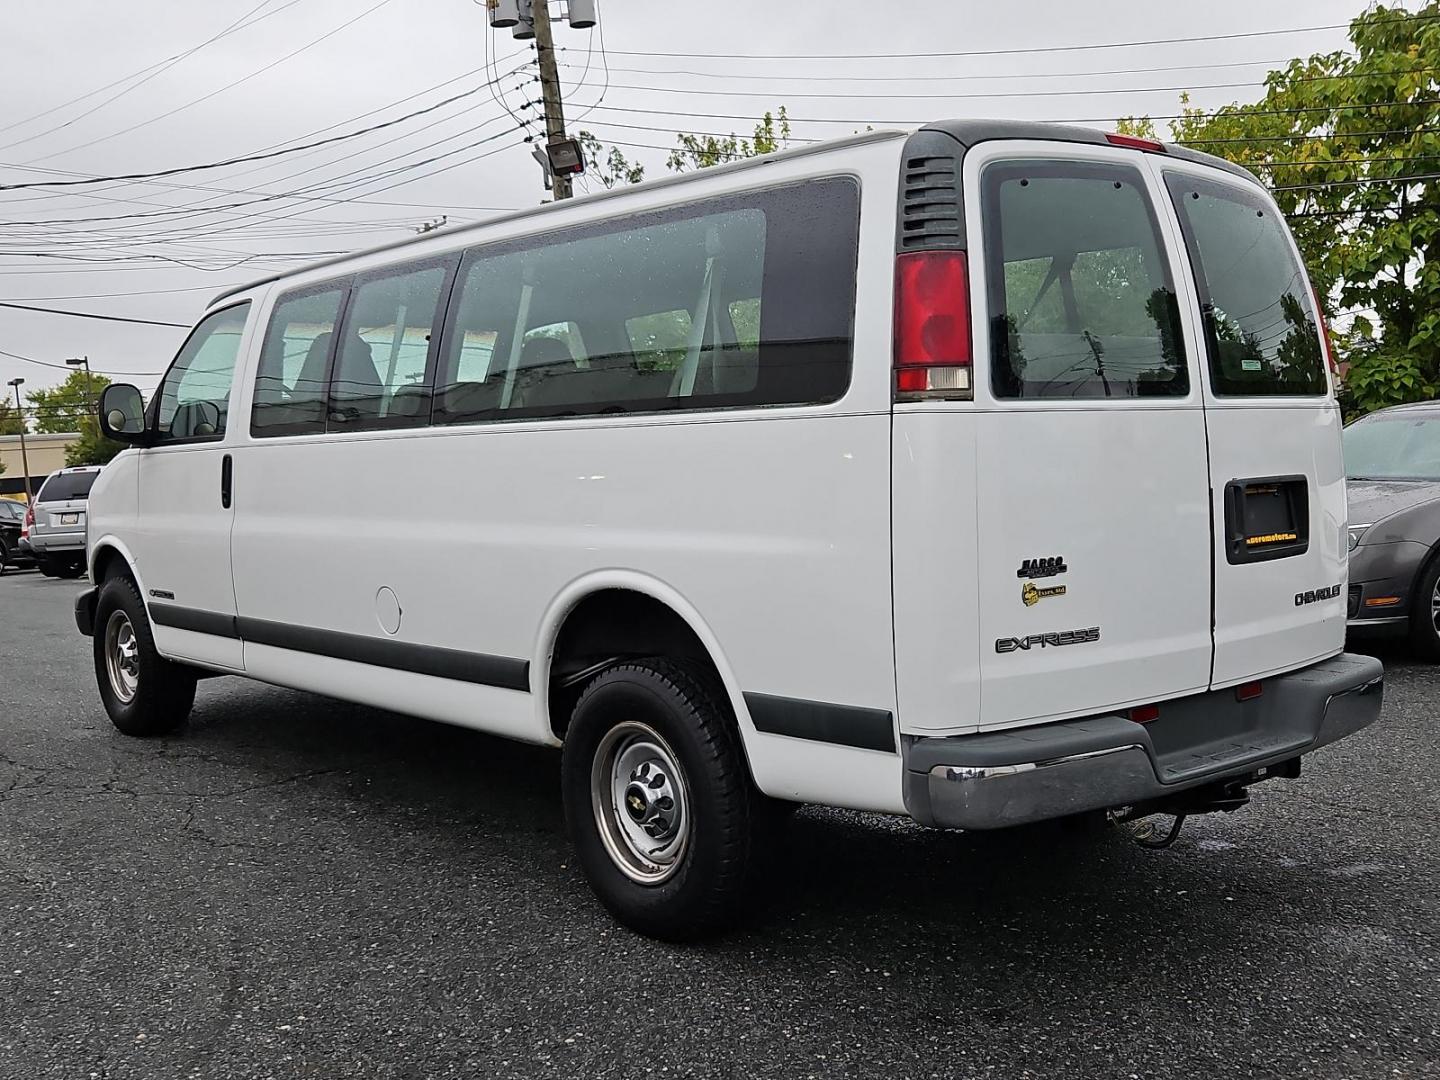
(1031, 594)
(1045, 641)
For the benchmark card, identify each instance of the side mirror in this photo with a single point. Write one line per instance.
(122, 414)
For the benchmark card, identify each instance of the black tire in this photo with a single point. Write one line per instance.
(48, 566)
(73, 569)
(163, 691)
(4, 555)
(683, 705)
(1424, 638)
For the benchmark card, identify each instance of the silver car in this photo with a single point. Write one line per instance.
(57, 536)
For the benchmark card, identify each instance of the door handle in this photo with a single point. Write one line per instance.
(227, 475)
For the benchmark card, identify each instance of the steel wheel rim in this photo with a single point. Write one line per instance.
(1435, 607)
(641, 802)
(122, 657)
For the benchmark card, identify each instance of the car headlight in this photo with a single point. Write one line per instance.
(1356, 532)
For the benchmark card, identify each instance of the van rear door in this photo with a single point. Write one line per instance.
(1276, 474)
(1092, 487)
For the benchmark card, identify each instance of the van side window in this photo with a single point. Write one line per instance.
(661, 311)
(1082, 303)
(381, 372)
(194, 401)
(1260, 325)
(294, 363)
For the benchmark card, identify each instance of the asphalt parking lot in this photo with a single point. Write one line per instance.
(301, 888)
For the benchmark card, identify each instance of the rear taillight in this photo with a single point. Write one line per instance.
(932, 324)
(29, 521)
(1325, 333)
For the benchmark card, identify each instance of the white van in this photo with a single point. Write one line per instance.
(987, 474)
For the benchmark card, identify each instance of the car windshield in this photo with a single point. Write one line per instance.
(64, 486)
(1393, 447)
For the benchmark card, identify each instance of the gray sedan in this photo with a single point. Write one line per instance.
(1392, 465)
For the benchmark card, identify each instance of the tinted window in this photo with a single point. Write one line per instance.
(661, 311)
(63, 486)
(1260, 321)
(1082, 304)
(11, 510)
(381, 373)
(294, 364)
(1394, 446)
(194, 400)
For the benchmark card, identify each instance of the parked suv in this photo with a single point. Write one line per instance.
(12, 519)
(984, 474)
(57, 534)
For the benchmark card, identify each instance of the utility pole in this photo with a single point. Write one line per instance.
(550, 88)
(24, 454)
(561, 157)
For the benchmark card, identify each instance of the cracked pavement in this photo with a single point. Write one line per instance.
(296, 887)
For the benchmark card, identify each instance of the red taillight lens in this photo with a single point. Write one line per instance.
(1134, 142)
(1144, 714)
(29, 520)
(1248, 691)
(932, 322)
(1325, 333)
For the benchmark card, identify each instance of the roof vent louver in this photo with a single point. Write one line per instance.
(930, 214)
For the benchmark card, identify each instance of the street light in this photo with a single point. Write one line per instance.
(24, 454)
(84, 361)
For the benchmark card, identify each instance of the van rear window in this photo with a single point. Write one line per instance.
(1260, 320)
(64, 486)
(1082, 304)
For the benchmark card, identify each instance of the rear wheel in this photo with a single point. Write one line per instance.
(1425, 613)
(658, 799)
(143, 693)
(48, 566)
(74, 568)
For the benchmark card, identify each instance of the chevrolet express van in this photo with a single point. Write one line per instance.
(985, 474)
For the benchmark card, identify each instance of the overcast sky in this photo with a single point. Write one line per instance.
(397, 56)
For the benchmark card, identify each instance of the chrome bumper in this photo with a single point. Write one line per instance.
(995, 780)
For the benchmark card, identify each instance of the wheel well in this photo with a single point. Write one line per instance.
(608, 626)
(110, 563)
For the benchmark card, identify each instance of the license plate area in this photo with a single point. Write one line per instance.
(69, 519)
(1266, 518)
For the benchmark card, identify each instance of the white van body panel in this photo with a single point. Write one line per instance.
(1259, 628)
(791, 502)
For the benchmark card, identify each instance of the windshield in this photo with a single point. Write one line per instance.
(1393, 448)
(63, 486)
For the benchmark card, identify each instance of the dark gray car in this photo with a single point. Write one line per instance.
(1392, 465)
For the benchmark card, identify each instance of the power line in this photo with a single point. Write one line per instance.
(1361, 181)
(228, 86)
(66, 367)
(1066, 92)
(1014, 52)
(161, 65)
(90, 315)
(238, 160)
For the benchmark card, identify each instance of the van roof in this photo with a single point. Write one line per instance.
(965, 132)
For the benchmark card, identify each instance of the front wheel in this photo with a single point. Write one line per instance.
(143, 693)
(658, 799)
(1425, 613)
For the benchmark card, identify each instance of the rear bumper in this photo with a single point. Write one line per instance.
(49, 543)
(999, 779)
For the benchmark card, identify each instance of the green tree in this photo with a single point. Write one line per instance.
(9, 419)
(1350, 144)
(69, 407)
(613, 169)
